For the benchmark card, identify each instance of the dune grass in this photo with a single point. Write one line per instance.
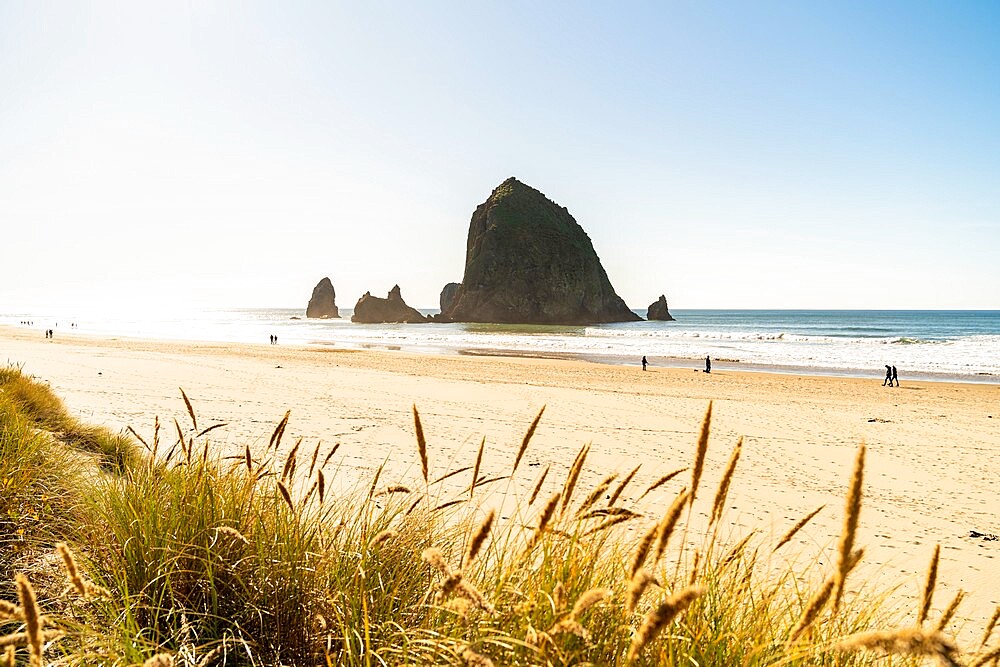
(36, 403)
(180, 556)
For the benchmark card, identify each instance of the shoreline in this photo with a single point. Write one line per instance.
(664, 362)
(931, 477)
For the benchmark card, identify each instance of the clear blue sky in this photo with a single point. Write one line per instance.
(783, 155)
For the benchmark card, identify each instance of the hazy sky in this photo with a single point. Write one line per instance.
(744, 154)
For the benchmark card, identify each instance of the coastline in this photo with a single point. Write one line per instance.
(932, 445)
(727, 365)
(403, 341)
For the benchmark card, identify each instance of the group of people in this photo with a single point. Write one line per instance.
(890, 376)
(48, 333)
(274, 339)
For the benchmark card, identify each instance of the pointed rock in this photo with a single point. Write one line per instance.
(528, 261)
(373, 310)
(448, 294)
(658, 310)
(323, 303)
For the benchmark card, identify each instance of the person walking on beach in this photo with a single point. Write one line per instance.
(895, 377)
(708, 364)
(644, 362)
(888, 375)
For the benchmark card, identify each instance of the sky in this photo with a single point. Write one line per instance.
(728, 155)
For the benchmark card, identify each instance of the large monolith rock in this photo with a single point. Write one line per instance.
(323, 302)
(373, 310)
(658, 310)
(528, 261)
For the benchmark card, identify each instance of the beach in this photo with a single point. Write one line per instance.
(930, 478)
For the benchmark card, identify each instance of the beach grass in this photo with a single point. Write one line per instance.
(170, 553)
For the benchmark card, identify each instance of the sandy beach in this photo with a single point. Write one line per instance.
(932, 447)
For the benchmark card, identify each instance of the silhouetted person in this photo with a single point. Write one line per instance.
(895, 377)
(708, 364)
(644, 362)
(888, 376)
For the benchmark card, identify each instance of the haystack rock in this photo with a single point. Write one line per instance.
(658, 310)
(448, 294)
(324, 301)
(528, 261)
(373, 310)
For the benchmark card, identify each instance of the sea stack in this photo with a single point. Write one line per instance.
(373, 310)
(323, 303)
(448, 294)
(658, 310)
(529, 262)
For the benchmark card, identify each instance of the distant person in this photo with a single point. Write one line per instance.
(895, 377)
(708, 364)
(275, 340)
(888, 376)
(644, 362)
(270, 339)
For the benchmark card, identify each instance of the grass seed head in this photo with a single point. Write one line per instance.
(588, 599)
(702, 449)
(929, 585)
(475, 469)
(727, 478)
(796, 528)
(538, 485)
(473, 659)
(812, 610)
(421, 443)
(693, 574)
(849, 531)
(666, 527)
(908, 642)
(660, 482)
(595, 495)
(638, 585)
(526, 440)
(72, 572)
(33, 619)
(642, 549)
(573, 476)
(479, 538)
(383, 536)
(621, 485)
(659, 618)
(949, 613)
(989, 627)
(435, 559)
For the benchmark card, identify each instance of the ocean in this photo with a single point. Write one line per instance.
(928, 345)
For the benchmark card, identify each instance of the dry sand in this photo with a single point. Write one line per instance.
(932, 474)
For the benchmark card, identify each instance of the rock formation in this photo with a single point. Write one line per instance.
(528, 261)
(658, 310)
(448, 295)
(373, 310)
(324, 301)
